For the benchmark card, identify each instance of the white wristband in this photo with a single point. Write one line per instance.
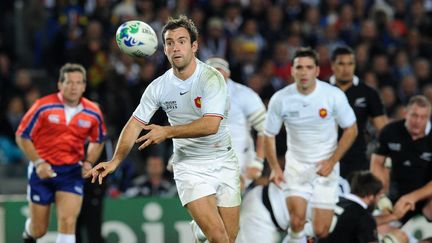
(38, 162)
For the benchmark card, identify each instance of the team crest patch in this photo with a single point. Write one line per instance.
(198, 102)
(54, 118)
(323, 113)
(84, 123)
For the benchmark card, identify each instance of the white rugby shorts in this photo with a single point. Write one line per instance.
(197, 179)
(303, 181)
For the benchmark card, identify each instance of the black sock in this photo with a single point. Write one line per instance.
(28, 238)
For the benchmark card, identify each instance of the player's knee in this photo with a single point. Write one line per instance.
(37, 231)
(297, 223)
(321, 231)
(67, 223)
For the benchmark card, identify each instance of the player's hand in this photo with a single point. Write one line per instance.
(44, 171)
(325, 167)
(406, 200)
(156, 135)
(277, 176)
(254, 169)
(86, 167)
(100, 171)
(401, 209)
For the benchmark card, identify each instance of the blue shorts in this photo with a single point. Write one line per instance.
(68, 179)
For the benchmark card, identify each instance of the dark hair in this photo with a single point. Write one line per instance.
(181, 21)
(306, 52)
(341, 50)
(364, 183)
(420, 101)
(72, 67)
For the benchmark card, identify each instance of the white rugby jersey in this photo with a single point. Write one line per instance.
(310, 120)
(244, 103)
(184, 101)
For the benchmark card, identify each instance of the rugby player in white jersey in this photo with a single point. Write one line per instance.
(311, 111)
(194, 97)
(246, 111)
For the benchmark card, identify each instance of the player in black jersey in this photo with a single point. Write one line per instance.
(408, 143)
(353, 213)
(365, 102)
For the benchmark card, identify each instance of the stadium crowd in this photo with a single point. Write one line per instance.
(391, 39)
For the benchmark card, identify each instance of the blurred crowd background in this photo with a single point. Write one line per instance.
(392, 41)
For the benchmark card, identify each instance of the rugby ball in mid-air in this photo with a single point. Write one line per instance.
(136, 39)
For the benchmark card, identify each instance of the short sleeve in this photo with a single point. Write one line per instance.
(383, 139)
(28, 124)
(252, 103)
(98, 132)
(148, 105)
(215, 93)
(273, 121)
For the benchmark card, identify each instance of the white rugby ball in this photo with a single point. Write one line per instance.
(137, 39)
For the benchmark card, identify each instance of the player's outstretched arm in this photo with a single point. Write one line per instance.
(204, 126)
(413, 197)
(125, 143)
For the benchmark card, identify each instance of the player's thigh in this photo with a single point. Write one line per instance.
(68, 207)
(39, 214)
(205, 213)
(231, 218)
(296, 207)
(321, 219)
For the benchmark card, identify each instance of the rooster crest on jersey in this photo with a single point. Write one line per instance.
(322, 112)
(197, 101)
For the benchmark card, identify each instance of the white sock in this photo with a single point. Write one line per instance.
(308, 229)
(27, 227)
(65, 238)
(295, 237)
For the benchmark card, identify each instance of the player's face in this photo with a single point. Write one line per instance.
(343, 68)
(72, 88)
(178, 48)
(416, 119)
(305, 71)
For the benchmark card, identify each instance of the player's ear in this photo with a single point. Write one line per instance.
(195, 46)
